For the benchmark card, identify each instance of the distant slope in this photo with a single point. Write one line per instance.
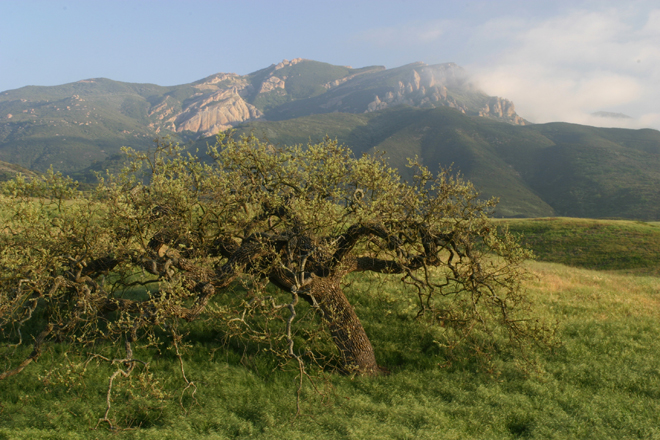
(73, 125)
(9, 171)
(592, 244)
(598, 172)
(537, 170)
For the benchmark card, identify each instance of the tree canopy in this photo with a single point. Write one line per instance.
(155, 245)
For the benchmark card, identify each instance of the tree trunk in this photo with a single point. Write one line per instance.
(345, 326)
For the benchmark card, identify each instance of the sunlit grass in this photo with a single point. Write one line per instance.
(618, 245)
(602, 382)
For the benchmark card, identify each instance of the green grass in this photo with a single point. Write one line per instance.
(601, 383)
(631, 246)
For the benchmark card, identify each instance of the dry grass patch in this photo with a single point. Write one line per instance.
(603, 293)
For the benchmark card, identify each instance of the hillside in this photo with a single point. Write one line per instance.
(432, 112)
(9, 171)
(615, 245)
(536, 170)
(73, 125)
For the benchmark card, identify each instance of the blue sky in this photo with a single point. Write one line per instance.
(556, 60)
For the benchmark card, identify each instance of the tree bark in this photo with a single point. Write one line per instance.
(345, 326)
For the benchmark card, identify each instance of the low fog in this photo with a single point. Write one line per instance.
(568, 68)
(562, 63)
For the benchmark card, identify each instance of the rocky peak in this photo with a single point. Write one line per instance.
(444, 85)
(224, 100)
(221, 77)
(287, 63)
(215, 113)
(500, 108)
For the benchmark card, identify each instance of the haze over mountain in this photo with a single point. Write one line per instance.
(434, 112)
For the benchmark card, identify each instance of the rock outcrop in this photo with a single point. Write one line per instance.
(287, 63)
(272, 83)
(217, 104)
(225, 100)
(222, 110)
(500, 108)
(435, 86)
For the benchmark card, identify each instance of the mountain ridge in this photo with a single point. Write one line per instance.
(433, 112)
(98, 115)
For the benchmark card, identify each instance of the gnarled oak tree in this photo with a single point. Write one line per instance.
(298, 218)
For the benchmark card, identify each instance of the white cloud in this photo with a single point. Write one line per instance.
(652, 27)
(650, 120)
(566, 67)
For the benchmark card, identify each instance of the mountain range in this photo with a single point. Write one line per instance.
(434, 112)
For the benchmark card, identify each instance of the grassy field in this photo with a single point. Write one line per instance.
(602, 382)
(618, 245)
